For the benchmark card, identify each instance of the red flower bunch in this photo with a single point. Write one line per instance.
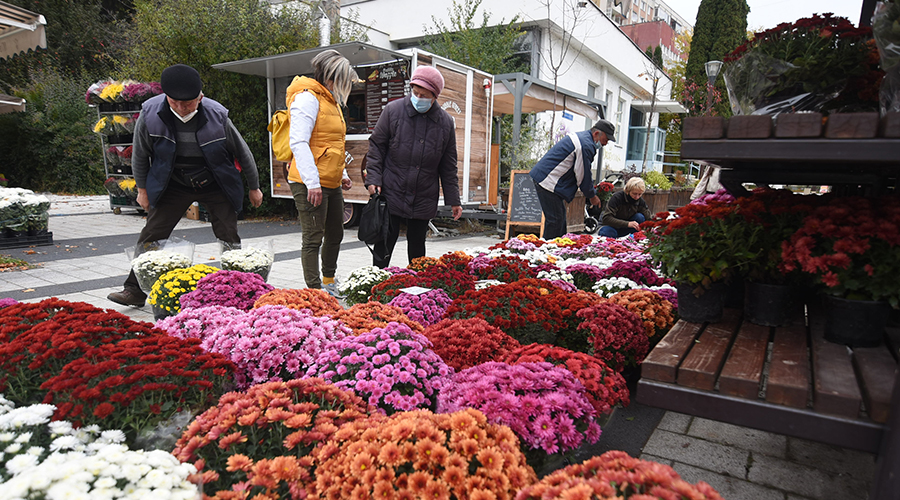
(525, 238)
(851, 248)
(317, 301)
(616, 333)
(454, 282)
(419, 454)
(505, 268)
(134, 384)
(565, 307)
(366, 317)
(655, 312)
(385, 291)
(605, 387)
(616, 475)
(584, 275)
(464, 343)
(456, 260)
(604, 187)
(45, 337)
(423, 263)
(260, 441)
(516, 308)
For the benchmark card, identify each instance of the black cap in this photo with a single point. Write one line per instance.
(606, 127)
(181, 82)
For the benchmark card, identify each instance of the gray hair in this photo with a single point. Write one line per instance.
(331, 65)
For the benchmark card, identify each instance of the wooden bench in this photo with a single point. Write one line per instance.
(786, 380)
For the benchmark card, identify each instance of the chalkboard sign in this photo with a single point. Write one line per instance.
(524, 208)
(524, 205)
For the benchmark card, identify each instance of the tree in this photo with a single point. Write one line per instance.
(721, 27)
(201, 33)
(653, 71)
(480, 46)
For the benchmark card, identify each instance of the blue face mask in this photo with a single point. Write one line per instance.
(421, 105)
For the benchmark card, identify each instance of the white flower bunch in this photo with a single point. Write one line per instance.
(358, 286)
(149, 266)
(662, 287)
(249, 260)
(475, 251)
(28, 437)
(482, 284)
(113, 472)
(556, 274)
(607, 287)
(600, 262)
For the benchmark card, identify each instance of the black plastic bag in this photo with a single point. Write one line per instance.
(374, 223)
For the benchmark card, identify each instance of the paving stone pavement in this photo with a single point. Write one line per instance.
(87, 261)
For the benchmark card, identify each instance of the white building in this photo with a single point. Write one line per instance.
(601, 62)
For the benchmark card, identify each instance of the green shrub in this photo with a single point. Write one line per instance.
(656, 180)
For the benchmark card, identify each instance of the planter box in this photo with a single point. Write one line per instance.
(658, 200)
(679, 198)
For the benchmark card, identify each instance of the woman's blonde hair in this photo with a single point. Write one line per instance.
(635, 184)
(331, 65)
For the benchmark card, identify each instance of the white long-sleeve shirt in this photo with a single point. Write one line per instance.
(304, 111)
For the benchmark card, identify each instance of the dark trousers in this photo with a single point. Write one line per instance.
(554, 208)
(322, 228)
(416, 230)
(613, 232)
(170, 208)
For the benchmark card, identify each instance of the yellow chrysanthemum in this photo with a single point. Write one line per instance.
(111, 91)
(101, 124)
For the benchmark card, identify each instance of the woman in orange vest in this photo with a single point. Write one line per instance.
(317, 175)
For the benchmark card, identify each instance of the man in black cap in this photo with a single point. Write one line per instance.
(566, 168)
(186, 149)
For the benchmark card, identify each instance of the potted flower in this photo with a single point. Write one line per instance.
(165, 295)
(365, 317)
(657, 193)
(852, 251)
(464, 343)
(358, 286)
(254, 259)
(814, 64)
(149, 266)
(701, 248)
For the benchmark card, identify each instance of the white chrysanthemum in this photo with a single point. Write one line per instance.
(23, 437)
(112, 436)
(65, 443)
(5, 437)
(13, 448)
(250, 260)
(36, 451)
(60, 427)
(482, 284)
(607, 287)
(26, 416)
(21, 463)
(556, 274)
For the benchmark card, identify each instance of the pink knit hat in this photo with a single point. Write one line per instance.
(429, 78)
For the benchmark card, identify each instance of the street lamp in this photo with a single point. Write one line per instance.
(712, 72)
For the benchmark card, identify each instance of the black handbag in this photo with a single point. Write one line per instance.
(374, 223)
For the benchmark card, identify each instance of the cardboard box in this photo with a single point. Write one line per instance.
(193, 212)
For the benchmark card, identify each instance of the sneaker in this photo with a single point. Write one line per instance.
(127, 298)
(332, 289)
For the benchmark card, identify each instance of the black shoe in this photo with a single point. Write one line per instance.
(127, 298)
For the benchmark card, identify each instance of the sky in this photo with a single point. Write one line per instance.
(765, 14)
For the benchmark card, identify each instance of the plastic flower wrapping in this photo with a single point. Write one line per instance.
(393, 367)
(427, 308)
(419, 454)
(543, 404)
(249, 260)
(149, 266)
(22, 209)
(357, 287)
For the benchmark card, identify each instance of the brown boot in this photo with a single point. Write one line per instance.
(128, 298)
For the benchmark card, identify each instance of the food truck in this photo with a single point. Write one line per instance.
(384, 76)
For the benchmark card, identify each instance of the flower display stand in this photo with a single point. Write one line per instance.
(25, 240)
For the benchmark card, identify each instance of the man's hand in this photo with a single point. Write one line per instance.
(595, 201)
(346, 183)
(457, 212)
(142, 199)
(374, 189)
(256, 197)
(314, 197)
(634, 225)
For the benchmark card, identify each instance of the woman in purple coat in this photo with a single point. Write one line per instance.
(411, 151)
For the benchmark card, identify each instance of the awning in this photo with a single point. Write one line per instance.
(538, 96)
(9, 104)
(289, 64)
(661, 106)
(20, 30)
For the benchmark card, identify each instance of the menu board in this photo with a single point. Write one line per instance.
(384, 83)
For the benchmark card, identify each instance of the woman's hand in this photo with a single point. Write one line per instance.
(346, 183)
(374, 189)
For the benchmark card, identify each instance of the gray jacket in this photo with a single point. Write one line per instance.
(409, 152)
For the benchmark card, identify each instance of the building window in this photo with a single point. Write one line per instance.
(609, 103)
(620, 115)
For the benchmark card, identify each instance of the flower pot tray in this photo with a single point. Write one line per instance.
(721, 371)
(25, 241)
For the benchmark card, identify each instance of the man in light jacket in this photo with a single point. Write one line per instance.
(566, 168)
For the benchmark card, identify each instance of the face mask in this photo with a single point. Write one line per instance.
(186, 118)
(421, 105)
(597, 144)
